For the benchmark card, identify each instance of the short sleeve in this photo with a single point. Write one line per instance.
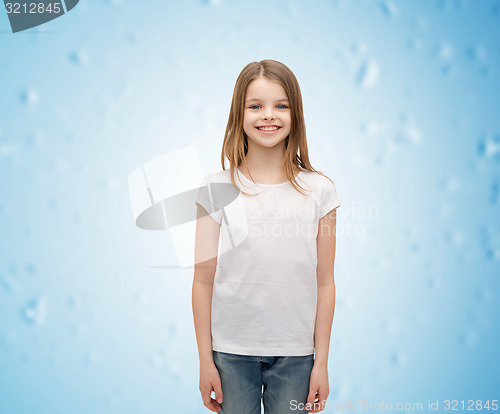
(329, 197)
(205, 198)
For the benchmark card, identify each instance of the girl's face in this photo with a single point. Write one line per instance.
(266, 106)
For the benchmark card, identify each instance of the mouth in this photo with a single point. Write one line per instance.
(268, 129)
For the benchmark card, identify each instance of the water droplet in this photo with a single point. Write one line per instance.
(392, 324)
(368, 75)
(449, 4)
(467, 339)
(415, 44)
(490, 243)
(212, 2)
(73, 302)
(35, 311)
(409, 134)
(495, 10)
(475, 53)
(398, 357)
(389, 8)
(90, 358)
(445, 51)
(78, 57)
(359, 48)
(370, 128)
(495, 192)
(419, 318)
(52, 204)
(8, 283)
(6, 150)
(448, 70)
(423, 23)
(30, 268)
(29, 96)
(432, 282)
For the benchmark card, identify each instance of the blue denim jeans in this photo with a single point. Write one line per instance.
(281, 382)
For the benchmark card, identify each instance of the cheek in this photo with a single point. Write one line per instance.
(247, 125)
(248, 121)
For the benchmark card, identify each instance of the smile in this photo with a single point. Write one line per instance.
(268, 130)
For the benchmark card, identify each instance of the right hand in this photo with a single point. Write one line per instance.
(210, 381)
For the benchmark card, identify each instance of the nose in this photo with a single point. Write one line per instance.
(268, 113)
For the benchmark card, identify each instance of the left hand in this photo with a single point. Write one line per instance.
(318, 389)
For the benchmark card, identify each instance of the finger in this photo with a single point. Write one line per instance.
(205, 396)
(214, 406)
(218, 392)
(208, 401)
(310, 401)
(318, 405)
(320, 401)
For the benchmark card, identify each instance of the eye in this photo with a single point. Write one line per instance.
(253, 106)
(284, 106)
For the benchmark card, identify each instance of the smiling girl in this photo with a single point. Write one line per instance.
(263, 313)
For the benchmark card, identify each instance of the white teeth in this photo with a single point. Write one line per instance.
(268, 128)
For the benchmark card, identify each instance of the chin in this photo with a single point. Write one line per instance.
(270, 144)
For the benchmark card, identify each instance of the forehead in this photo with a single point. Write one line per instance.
(265, 89)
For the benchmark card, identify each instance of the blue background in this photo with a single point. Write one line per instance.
(402, 112)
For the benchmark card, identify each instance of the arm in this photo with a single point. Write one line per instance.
(206, 248)
(326, 242)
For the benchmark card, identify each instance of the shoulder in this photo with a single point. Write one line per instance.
(220, 185)
(222, 176)
(316, 180)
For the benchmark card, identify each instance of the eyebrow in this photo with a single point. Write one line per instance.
(256, 99)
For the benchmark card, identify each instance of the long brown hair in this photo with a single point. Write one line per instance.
(235, 145)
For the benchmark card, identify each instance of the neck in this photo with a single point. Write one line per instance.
(265, 161)
(265, 164)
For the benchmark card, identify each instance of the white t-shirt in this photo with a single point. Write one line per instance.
(265, 287)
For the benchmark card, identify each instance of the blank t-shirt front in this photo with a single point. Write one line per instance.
(265, 287)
